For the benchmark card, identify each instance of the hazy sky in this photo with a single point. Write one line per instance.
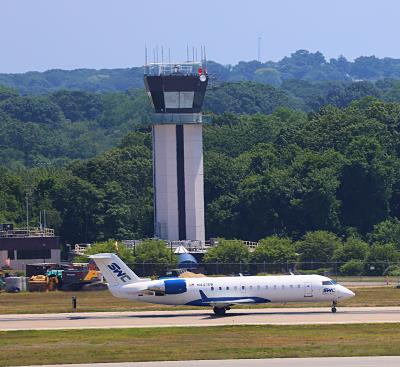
(69, 34)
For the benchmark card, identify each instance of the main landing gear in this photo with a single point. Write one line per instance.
(333, 309)
(220, 311)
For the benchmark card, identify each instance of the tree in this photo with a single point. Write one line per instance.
(387, 231)
(268, 76)
(352, 267)
(316, 249)
(274, 249)
(352, 249)
(156, 255)
(109, 246)
(381, 257)
(229, 256)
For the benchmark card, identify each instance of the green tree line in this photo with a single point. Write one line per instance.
(63, 126)
(300, 65)
(286, 174)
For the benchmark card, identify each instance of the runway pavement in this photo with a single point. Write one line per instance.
(272, 316)
(276, 362)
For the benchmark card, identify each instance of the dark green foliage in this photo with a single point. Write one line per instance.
(228, 252)
(274, 249)
(66, 125)
(352, 267)
(156, 255)
(381, 257)
(89, 80)
(288, 173)
(353, 248)
(246, 97)
(387, 231)
(316, 248)
(109, 246)
(300, 65)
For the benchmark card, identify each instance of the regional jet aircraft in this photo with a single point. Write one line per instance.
(218, 292)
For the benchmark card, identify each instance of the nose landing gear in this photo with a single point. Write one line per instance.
(333, 309)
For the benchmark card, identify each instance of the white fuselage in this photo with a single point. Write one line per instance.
(241, 289)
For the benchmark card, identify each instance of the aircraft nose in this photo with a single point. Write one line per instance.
(346, 293)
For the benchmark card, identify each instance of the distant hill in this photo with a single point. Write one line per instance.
(300, 65)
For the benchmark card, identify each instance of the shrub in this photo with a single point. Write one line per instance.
(352, 267)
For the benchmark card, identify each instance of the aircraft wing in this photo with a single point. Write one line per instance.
(225, 301)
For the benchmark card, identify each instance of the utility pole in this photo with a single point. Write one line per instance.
(259, 48)
(27, 212)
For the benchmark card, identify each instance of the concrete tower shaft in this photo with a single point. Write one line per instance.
(177, 93)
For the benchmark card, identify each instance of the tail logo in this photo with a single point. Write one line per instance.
(115, 268)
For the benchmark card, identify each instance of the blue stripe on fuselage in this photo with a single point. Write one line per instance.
(205, 301)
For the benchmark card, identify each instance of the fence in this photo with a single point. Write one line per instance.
(332, 269)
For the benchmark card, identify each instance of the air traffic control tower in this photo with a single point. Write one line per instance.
(177, 93)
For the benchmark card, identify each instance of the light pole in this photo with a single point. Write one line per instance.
(27, 213)
(44, 257)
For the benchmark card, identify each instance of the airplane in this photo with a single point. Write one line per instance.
(218, 292)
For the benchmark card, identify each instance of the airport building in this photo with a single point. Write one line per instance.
(19, 247)
(177, 91)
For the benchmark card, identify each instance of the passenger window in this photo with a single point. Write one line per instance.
(258, 287)
(220, 288)
(227, 288)
(235, 287)
(298, 286)
(212, 288)
(274, 286)
(242, 286)
(291, 285)
(283, 287)
(266, 287)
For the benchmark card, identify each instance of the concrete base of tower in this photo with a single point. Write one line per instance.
(178, 181)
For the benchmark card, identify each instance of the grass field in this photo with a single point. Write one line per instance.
(118, 345)
(103, 301)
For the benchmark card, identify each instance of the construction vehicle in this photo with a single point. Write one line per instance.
(42, 283)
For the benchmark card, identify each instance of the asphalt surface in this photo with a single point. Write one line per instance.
(277, 362)
(272, 316)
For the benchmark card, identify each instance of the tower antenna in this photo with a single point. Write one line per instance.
(145, 57)
(259, 49)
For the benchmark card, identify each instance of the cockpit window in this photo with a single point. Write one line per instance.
(328, 282)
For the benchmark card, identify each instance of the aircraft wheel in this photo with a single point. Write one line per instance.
(333, 309)
(219, 311)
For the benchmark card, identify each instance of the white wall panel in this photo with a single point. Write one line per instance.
(194, 182)
(166, 195)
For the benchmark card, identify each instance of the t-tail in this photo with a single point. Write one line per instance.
(114, 270)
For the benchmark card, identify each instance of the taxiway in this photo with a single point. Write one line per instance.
(260, 316)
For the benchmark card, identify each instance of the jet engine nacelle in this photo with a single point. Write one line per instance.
(169, 286)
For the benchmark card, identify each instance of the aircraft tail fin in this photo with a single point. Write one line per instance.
(114, 269)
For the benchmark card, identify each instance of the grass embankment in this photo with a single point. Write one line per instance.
(120, 345)
(103, 301)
